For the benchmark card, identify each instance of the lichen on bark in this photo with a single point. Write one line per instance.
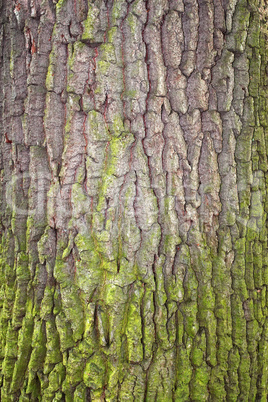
(133, 200)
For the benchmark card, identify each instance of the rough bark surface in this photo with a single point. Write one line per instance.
(134, 259)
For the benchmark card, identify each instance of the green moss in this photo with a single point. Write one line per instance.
(112, 32)
(117, 149)
(171, 241)
(243, 149)
(254, 71)
(237, 39)
(104, 236)
(60, 4)
(252, 230)
(38, 346)
(47, 303)
(238, 270)
(199, 383)
(24, 351)
(233, 387)
(96, 126)
(55, 379)
(61, 273)
(117, 11)
(22, 273)
(131, 94)
(244, 375)
(22, 279)
(103, 67)
(239, 323)
(89, 265)
(133, 23)
(263, 358)
(80, 394)
(211, 339)
(202, 259)
(134, 327)
(256, 205)
(84, 243)
(184, 373)
(148, 325)
(107, 53)
(11, 350)
(11, 63)
(42, 246)
(253, 38)
(32, 225)
(51, 71)
(258, 264)
(216, 384)
(191, 325)
(190, 285)
(65, 332)
(198, 350)
(53, 354)
(89, 23)
(160, 383)
(74, 310)
(95, 371)
(118, 129)
(160, 285)
(19, 305)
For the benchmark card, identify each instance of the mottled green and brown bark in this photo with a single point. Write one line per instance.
(134, 258)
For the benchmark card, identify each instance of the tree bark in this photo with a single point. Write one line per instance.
(134, 258)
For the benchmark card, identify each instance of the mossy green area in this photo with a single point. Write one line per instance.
(133, 253)
(89, 23)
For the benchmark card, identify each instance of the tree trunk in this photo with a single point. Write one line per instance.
(134, 257)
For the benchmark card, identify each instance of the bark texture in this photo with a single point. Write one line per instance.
(134, 258)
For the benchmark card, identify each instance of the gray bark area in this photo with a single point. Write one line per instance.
(133, 201)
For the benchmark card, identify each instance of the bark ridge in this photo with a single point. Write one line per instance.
(133, 166)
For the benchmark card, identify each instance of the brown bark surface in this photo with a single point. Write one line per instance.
(133, 166)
